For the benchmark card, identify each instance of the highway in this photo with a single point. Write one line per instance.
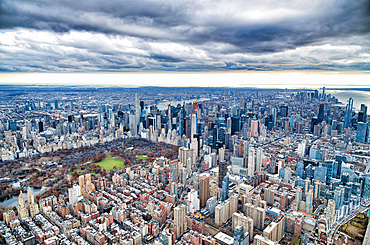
(344, 220)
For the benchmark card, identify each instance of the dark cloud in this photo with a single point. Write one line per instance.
(184, 35)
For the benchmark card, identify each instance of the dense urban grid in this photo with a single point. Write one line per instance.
(170, 166)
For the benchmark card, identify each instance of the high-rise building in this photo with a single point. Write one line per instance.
(193, 125)
(258, 214)
(275, 230)
(254, 127)
(309, 202)
(179, 216)
(251, 162)
(259, 157)
(137, 113)
(348, 113)
(320, 116)
(204, 189)
(22, 208)
(222, 171)
(193, 202)
(173, 171)
(225, 188)
(362, 133)
(298, 197)
(224, 210)
(74, 193)
(246, 222)
(330, 212)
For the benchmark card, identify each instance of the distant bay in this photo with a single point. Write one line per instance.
(359, 97)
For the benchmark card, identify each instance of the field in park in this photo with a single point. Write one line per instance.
(142, 157)
(108, 163)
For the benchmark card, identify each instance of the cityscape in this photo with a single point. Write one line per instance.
(155, 165)
(157, 122)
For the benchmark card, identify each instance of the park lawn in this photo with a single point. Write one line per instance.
(295, 241)
(142, 157)
(75, 171)
(109, 162)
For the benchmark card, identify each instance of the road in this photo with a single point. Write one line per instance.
(344, 220)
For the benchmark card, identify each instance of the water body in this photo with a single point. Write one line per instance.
(359, 97)
(13, 201)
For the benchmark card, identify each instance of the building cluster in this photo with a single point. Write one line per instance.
(256, 169)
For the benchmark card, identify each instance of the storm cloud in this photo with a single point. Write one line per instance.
(67, 36)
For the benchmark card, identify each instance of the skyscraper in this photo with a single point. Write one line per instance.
(320, 116)
(222, 171)
(251, 161)
(309, 199)
(362, 133)
(225, 188)
(204, 189)
(179, 216)
(254, 127)
(137, 113)
(348, 113)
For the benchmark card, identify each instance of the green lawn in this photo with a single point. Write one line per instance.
(109, 162)
(75, 171)
(142, 157)
(295, 240)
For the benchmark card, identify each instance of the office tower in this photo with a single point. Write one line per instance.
(309, 201)
(251, 162)
(246, 222)
(284, 111)
(137, 113)
(56, 105)
(193, 202)
(222, 171)
(348, 113)
(193, 125)
(317, 189)
(298, 197)
(173, 171)
(22, 208)
(330, 212)
(338, 197)
(254, 127)
(225, 188)
(74, 193)
(221, 154)
(259, 156)
(300, 170)
(203, 189)
(258, 215)
(332, 167)
(362, 133)
(179, 216)
(362, 114)
(320, 174)
(320, 116)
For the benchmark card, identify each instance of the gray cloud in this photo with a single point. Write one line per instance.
(184, 35)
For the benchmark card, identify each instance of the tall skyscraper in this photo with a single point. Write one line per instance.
(193, 125)
(309, 201)
(298, 197)
(137, 113)
(251, 162)
(320, 116)
(204, 189)
(348, 113)
(225, 188)
(259, 156)
(222, 171)
(254, 127)
(179, 216)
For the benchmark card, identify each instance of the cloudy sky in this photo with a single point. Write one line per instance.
(62, 36)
